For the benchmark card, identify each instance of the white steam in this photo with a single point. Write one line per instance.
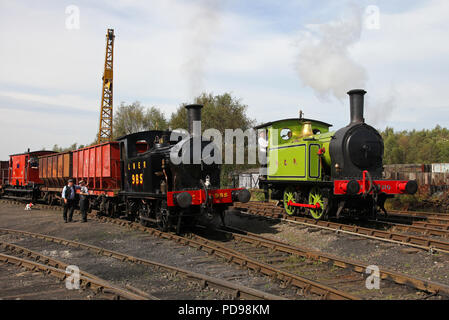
(379, 109)
(202, 28)
(324, 63)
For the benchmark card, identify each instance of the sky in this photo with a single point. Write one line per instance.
(277, 57)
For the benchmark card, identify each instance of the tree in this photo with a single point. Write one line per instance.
(220, 112)
(424, 146)
(135, 118)
(74, 146)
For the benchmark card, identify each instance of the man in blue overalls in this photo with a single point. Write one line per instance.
(68, 196)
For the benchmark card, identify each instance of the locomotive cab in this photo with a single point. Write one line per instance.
(142, 154)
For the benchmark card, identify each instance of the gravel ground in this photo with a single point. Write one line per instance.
(396, 257)
(139, 244)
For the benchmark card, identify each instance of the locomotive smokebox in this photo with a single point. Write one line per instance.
(356, 102)
(193, 114)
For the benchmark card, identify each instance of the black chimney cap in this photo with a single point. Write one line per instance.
(356, 91)
(194, 106)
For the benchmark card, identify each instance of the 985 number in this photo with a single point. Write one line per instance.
(137, 178)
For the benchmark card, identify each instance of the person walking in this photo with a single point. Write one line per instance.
(84, 201)
(68, 196)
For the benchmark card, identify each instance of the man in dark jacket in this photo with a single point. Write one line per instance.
(68, 196)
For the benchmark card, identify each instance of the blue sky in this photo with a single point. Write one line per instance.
(276, 56)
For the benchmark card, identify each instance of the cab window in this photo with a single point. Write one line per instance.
(286, 134)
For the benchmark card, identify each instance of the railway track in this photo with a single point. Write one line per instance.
(266, 256)
(429, 217)
(53, 267)
(306, 287)
(205, 281)
(271, 211)
(276, 263)
(428, 229)
(351, 276)
(280, 253)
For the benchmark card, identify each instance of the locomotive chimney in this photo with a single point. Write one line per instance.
(193, 114)
(356, 101)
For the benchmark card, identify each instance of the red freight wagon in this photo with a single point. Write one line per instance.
(24, 168)
(99, 166)
(55, 169)
(23, 172)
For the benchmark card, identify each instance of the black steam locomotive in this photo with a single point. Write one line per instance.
(158, 189)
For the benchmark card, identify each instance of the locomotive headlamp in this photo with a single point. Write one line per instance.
(184, 199)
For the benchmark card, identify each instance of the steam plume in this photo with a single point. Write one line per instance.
(202, 28)
(379, 110)
(324, 63)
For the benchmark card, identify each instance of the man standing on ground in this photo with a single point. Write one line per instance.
(84, 201)
(68, 196)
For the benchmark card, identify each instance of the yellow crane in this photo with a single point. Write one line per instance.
(105, 130)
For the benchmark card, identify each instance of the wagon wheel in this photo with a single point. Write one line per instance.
(316, 196)
(289, 194)
(50, 200)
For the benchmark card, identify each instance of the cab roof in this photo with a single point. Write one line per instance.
(290, 119)
(32, 153)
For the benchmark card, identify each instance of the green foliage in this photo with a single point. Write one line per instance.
(424, 146)
(220, 112)
(257, 195)
(135, 118)
(74, 146)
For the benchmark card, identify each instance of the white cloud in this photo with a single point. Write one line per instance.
(72, 101)
(324, 63)
(407, 58)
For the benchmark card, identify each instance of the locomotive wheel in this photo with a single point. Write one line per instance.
(162, 217)
(144, 223)
(289, 194)
(316, 196)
